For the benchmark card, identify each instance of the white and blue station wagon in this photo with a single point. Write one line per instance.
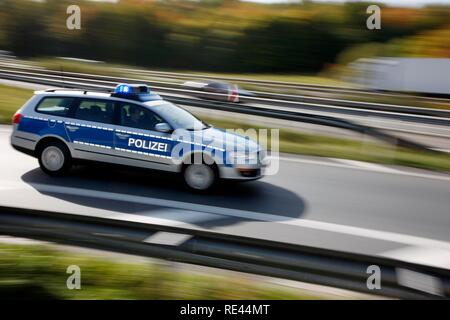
(133, 127)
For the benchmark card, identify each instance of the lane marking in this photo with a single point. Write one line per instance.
(315, 162)
(311, 224)
(367, 165)
(184, 216)
(344, 163)
(168, 238)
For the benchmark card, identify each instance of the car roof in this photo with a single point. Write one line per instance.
(94, 94)
(72, 93)
(202, 83)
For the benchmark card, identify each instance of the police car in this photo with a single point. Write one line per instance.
(134, 127)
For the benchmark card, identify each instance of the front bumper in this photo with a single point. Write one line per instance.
(243, 171)
(244, 174)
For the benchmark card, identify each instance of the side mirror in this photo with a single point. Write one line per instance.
(163, 127)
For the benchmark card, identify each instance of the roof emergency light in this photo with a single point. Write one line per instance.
(139, 92)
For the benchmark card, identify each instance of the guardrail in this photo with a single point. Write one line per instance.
(208, 248)
(102, 83)
(409, 113)
(279, 84)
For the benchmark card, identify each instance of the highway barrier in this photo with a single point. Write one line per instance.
(266, 98)
(245, 254)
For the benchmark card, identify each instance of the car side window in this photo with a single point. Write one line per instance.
(135, 116)
(218, 86)
(95, 110)
(55, 106)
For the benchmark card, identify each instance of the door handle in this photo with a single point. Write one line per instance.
(72, 128)
(122, 135)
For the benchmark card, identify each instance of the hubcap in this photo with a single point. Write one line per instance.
(199, 176)
(52, 158)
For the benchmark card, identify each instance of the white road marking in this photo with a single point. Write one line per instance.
(344, 163)
(185, 216)
(314, 162)
(367, 165)
(406, 239)
(168, 238)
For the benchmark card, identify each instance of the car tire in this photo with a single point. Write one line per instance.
(54, 158)
(200, 177)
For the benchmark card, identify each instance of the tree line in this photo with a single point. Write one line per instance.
(209, 35)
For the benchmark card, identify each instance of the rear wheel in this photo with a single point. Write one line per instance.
(200, 177)
(54, 158)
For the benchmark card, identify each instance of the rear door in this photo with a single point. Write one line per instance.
(136, 140)
(91, 129)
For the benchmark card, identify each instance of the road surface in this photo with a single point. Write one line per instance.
(329, 203)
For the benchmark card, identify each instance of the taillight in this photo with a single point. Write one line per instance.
(16, 118)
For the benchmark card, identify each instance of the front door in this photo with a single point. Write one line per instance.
(137, 140)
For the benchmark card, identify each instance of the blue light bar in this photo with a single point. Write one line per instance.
(138, 92)
(123, 88)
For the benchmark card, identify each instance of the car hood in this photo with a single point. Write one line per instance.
(228, 140)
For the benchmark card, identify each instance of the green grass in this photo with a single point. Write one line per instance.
(65, 65)
(38, 271)
(291, 141)
(11, 99)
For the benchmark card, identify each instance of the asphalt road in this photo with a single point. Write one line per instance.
(329, 203)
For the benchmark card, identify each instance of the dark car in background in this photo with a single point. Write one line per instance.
(218, 90)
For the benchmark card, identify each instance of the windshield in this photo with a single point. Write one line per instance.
(179, 118)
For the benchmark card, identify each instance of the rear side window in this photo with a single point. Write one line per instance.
(95, 110)
(55, 106)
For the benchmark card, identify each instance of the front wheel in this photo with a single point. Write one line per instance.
(54, 158)
(200, 177)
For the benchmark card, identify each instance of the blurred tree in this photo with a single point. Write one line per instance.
(220, 35)
(25, 28)
(287, 46)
